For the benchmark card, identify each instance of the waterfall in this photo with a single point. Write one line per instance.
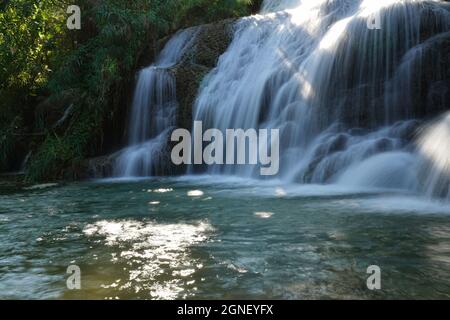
(317, 71)
(153, 112)
(434, 149)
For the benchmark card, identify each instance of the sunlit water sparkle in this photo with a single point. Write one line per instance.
(223, 238)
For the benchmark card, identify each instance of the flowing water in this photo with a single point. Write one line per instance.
(153, 113)
(318, 73)
(344, 95)
(434, 148)
(207, 237)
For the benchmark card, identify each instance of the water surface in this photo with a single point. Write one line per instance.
(208, 238)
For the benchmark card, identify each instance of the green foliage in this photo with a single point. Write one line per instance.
(39, 56)
(52, 157)
(212, 10)
(30, 34)
(31, 41)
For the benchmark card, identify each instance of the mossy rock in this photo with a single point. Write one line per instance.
(211, 42)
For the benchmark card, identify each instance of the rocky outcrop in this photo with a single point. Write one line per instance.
(211, 42)
(100, 167)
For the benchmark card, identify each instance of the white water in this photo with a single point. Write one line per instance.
(434, 150)
(153, 112)
(314, 70)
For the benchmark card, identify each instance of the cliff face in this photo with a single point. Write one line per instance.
(211, 42)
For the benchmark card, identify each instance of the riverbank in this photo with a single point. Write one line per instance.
(12, 181)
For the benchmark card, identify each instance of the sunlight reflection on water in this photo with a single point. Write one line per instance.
(158, 255)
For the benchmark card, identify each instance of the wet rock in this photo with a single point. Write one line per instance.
(338, 143)
(211, 42)
(100, 167)
(384, 145)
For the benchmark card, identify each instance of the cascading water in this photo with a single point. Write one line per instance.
(316, 71)
(153, 112)
(434, 150)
